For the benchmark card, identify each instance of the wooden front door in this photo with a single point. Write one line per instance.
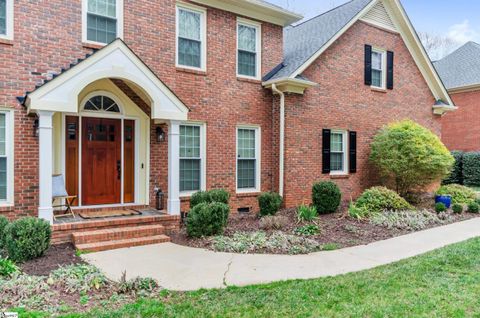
(101, 161)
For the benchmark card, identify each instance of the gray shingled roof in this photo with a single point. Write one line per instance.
(304, 40)
(460, 68)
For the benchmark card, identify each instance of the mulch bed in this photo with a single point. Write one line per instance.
(56, 256)
(337, 228)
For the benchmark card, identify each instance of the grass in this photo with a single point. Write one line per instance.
(443, 283)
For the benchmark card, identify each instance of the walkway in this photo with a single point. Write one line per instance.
(184, 268)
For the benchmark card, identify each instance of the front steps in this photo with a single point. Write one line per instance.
(120, 237)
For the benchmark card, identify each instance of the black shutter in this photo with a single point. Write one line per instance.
(326, 133)
(390, 70)
(368, 64)
(352, 145)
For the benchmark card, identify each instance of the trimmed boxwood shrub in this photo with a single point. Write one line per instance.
(440, 207)
(215, 195)
(27, 238)
(473, 207)
(457, 208)
(326, 197)
(3, 225)
(270, 203)
(207, 219)
(460, 194)
(456, 176)
(378, 199)
(471, 168)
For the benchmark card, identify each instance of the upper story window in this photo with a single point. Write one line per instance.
(248, 46)
(191, 37)
(378, 68)
(103, 20)
(6, 19)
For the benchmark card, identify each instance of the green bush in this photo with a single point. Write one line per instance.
(270, 203)
(410, 156)
(460, 194)
(376, 200)
(207, 219)
(326, 197)
(440, 207)
(27, 238)
(357, 213)
(457, 208)
(307, 213)
(473, 207)
(471, 168)
(215, 195)
(456, 175)
(3, 225)
(7, 267)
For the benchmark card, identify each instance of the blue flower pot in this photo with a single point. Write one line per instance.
(445, 199)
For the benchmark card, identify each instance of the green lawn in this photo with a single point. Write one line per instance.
(443, 283)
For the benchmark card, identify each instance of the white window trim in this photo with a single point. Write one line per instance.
(384, 70)
(9, 21)
(203, 157)
(203, 35)
(9, 149)
(119, 16)
(345, 150)
(258, 156)
(258, 27)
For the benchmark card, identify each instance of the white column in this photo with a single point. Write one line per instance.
(45, 147)
(174, 168)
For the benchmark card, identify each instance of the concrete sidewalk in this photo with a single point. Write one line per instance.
(184, 268)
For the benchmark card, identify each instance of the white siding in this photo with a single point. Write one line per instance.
(378, 15)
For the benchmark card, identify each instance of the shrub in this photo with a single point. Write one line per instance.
(326, 197)
(471, 168)
(410, 156)
(307, 213)
(460, 194)
(440, 207)
(3, 225)
(273, 222)
(473, 207)
(215, 195)
(27, 238)
(457, 208)
(356, 212)
(456, 175)
(7, 267)
(207, 219)
(405, 220)
(78, 278)
(270, 203)
(376, 200)
(307, 230)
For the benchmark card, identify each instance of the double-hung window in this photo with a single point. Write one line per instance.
(6, 157)
(248, 159)
(191, 37)
(192, 158)
(378, 68)
(338, 152)
(103, 20)
(248, 47)
(6, 19)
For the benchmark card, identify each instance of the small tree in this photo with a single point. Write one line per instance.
(410, 155)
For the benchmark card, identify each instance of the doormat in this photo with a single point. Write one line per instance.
(107, 214)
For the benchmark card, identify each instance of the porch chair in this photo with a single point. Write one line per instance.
(59, 192)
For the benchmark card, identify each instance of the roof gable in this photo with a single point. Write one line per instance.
(379, 16)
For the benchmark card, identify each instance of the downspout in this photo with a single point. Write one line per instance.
(282, 139)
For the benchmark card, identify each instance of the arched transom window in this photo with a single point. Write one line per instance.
(102, 103)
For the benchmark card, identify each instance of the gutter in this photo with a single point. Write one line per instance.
(282, 140)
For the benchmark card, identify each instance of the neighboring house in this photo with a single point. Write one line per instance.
(460, 72)
(201, 94)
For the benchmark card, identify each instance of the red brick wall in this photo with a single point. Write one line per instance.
(342, 101)
(48, 37)
(461, 128)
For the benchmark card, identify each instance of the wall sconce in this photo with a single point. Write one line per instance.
(160, 134)
(36, 130)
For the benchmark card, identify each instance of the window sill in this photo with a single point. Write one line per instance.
(91, 45)
(5, 205)
(246, 194)
(248, 80)
(191, 71)
(340, 176)
(6, 41)
(378, 89)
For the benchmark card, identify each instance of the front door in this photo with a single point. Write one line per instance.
(101, 161)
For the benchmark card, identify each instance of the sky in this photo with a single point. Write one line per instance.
(459, 20)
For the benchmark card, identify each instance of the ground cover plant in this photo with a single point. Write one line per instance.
(407, 219)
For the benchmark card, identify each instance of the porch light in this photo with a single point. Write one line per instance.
(160, 134)
(36, 130)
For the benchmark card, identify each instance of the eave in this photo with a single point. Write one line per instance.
(290, 85)
(464, 89)
(440, 108)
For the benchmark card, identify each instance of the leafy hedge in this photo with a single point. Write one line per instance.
(326, 197)
(376, 200)
(471, 168)
(215, 195)
(27, 238)
(207, 219)
(460, 194)
(456, 176)
(269, 203)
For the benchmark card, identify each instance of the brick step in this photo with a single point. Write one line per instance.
(111, 234)
(124, 243)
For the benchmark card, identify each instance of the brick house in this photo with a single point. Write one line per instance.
(124, 98)
(460, 71)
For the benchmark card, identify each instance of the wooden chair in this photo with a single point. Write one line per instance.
(59, 192)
